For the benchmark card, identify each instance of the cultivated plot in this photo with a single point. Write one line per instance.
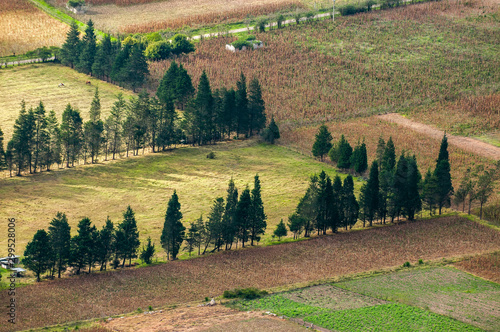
(25, 28)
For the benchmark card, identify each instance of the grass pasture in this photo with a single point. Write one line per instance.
(428, 299)
(445, 291)
(103, 294)
(40, 82)
(147, 183)
(25, 28)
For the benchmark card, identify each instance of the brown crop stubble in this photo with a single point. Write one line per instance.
(103, 294)
(25, 28)
(486, 266)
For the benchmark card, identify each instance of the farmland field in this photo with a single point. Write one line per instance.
(441, 291)
(104, 294)
(147, 183)
(485, 266)
(445, 291)
(155, 15)
(25, 28)
(40, 82)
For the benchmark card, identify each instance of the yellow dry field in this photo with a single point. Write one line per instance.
(114, 18)
(40, 82)
(23, 27)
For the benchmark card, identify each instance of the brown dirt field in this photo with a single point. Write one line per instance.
(465, 143)
(25, 28)
(328, 296)
(217, 318)
(111, 293)
(485, 266)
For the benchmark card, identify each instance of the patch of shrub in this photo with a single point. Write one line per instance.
(158, 50)
(211, 155)
(406, 264)
(420, 262)
(240, 43)
(76, 3)
(250, 37)
(244, 293)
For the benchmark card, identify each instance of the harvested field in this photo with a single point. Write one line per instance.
(40, 82)
(156, 15)
(218, 318)
(25, 28)
(445, 291)
(465, 143)
(104, 294)
(485, 266)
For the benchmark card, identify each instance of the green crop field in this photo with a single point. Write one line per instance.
(428, 299)
(146, 183)
(33, 83)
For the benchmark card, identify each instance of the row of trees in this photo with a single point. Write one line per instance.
(39, 141)
(56, 250)
(241, 218)
(124, 63)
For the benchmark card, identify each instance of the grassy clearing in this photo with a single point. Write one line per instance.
(386, 317)
(40, 82)
(445, 291)
(110, 293)
(146, 183)
(25, 28)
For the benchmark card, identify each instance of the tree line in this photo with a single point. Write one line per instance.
(121, 62)
(241, 219)
(145, 121)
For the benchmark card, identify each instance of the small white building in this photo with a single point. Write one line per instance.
(5, 261)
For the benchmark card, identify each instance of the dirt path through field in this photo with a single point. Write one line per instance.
(465, 143)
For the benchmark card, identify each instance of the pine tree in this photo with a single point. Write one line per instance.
(22, 139)
(401, 195)
(244, 216)
(137, 67)
(70, 50)
(89, 48)
(183, 87)
(53, 149)
(229, 221)
(38, 254)
(9, 156)
(172, 235)
(443, 176)
(71, 134)
(241, 100)
(280, 230)
(272, 132)
(192, 238)
(429, 190)
(229, 111)
(258, 222)
(414, 202)
(94, 127)
(486, 186)
(83, 246)
(167, 90)
(307, 207)
(105, 56)
(105, 244)
(60, 241)
(322, 143)
(372, 193)
(389, 158)
(119, 71)
(256, 107)
(349, 203)
(40, 135)
(215, 225)
(380, 152)
(115, 121)
(359, 159)
(296, 225)
(204, 116)
(128, 240)
(147, 252)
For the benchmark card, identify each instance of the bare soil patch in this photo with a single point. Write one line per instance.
(217, 318)
(330, 297)
(485, 266)
(323, 258)
(465, 143)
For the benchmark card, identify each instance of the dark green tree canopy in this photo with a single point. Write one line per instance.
(322, 143)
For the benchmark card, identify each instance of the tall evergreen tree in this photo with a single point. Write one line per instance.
(22, 140)
(172, 235)
(183, 87)
(40, 135)
(372, 194)
(349, 203)
(128, 239)
(443, 176)
(307, 207)
(137, 67)
(115, 121)
(89, 49)
(204, 110)
(94, 128)
(60, 241)
(3, 160)
(38, 254)
(119, 71)
(148, 252)
(280, 230)
(322, 143)
(167, 90)
(83, 246)
(71, 134)
(429, 192)
(215, 225)
(414, 202)
(359, 158)
(104, 59)
(53, 149)
(380, 152)
(389, 158)
(272, 132)
(258, 222)
(244, 215)
(241, 100)
(229, 221)
(256, 107)
(70, 50)
(105, 244)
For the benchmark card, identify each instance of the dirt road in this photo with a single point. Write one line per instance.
(465, 143)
